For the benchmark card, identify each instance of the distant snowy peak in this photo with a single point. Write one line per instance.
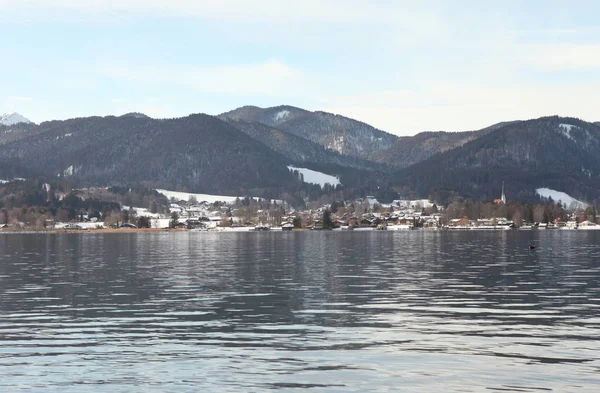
(9, 119)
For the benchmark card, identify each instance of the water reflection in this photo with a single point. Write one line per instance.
(326, 311)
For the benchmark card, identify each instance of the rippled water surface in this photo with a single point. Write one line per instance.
(319, 311)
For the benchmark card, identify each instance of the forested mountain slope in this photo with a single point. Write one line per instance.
(337, 133)
(297, 149)
(197, 153)
(554, 152)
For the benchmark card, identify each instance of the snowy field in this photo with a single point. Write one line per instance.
(185, 196)
(315, 177)
(563, 197)
(409, 204)
(141, 212)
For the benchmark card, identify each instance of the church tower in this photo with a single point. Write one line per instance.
(503, 197)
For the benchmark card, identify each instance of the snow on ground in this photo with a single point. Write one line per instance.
(82, 225)
(567, 127)
(566, 130)
(315, 177)
(141, 212)
(15, 179)
(563, 197)
(185, 196)
(12, 119)
(417, 203)
(372, 201)
(160, 223)
(337, 144)
(281, 115)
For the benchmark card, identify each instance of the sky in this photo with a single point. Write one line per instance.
(401, 66)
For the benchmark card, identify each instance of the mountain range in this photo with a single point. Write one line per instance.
(196, 153)
(249, 149)
(554, 152)
(336, 133)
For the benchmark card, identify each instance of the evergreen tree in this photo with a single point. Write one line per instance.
(327, 222)
(297, 222)
(144, 222)
(174, 220)
(334, 207)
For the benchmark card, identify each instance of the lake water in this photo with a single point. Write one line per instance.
(411, 311)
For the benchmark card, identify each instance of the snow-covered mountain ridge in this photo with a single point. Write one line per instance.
(9, 119)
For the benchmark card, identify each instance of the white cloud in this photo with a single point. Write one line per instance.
(268, 78)
(19, 98)
(341, 10)
(553, 57)
(307, 24)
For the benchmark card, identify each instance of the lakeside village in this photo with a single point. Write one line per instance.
(200, 212)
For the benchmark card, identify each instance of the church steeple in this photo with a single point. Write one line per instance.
(503, 197)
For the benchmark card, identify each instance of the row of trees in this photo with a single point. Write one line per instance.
(37, 204)
(517, 212)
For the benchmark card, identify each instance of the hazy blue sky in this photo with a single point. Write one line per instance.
(401, 66)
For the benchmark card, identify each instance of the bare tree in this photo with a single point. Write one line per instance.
(538, 213)
(517, 217)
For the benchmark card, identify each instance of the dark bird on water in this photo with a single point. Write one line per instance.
(531, 247)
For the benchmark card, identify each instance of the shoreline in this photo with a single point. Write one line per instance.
(160, 230)
(91, 231)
